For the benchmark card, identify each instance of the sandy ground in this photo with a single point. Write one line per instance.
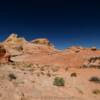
(32, 83)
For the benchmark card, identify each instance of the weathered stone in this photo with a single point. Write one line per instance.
(92, 62)
(42, 41)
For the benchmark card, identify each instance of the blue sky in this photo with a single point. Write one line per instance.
(63, 22)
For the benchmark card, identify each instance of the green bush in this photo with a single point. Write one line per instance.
(58, 81)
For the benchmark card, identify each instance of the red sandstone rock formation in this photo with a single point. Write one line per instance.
(41, 51)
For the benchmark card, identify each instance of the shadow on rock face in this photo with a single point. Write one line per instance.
(4, 55)
(2, 51)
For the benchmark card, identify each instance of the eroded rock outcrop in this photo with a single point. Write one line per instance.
(14, 38)
(74, 49)
(43, 52)
(91, 62)
(13, 41)
(42, 41)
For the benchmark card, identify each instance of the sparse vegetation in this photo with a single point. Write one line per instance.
(28, 65)
(59, 81)
(95, 79)
(12, 76)
(96, 91)
(73, 74)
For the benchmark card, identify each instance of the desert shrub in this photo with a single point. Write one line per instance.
(73, 74)
(95, 79)
(28, 65)
(12, 76)
(96, 91)
(59, 81)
